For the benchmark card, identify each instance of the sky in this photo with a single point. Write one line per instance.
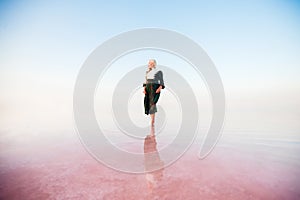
(253, 44)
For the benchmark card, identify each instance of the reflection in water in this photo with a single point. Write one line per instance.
(152, 161)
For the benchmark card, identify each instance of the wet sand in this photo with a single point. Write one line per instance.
(238, 168)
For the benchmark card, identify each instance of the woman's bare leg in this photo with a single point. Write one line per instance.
(152, 118)
(152, 131)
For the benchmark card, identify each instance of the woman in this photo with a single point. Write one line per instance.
(152, 87)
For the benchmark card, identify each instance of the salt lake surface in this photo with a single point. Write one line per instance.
(243, 165)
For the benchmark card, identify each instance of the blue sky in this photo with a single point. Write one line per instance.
(257, 35)
(254, 44)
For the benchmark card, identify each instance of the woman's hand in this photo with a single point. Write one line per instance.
(158, 89)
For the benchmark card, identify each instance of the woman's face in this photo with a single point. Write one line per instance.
(151, 64)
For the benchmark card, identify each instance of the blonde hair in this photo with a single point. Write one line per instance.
(153, 61)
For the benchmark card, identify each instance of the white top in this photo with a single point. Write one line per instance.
(151, 73)
(155, 76)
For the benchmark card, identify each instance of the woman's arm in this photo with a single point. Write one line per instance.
(161, 79)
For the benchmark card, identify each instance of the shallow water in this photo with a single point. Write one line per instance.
(244, 165)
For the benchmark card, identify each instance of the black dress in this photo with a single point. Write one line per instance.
(154, 79)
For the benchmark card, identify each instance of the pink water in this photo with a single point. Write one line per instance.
(62, 169)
